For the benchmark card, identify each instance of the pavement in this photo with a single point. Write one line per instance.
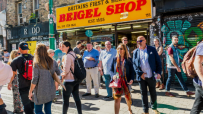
(181, 104)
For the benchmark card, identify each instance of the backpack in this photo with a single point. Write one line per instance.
(187, 64)
(27, 67)
(79, 69)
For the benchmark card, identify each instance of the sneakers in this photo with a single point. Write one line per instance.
(157, 84)
(86, 94)
(156, 112)
(57, 92)
(169, 94)
(162, 87)
(96, 95)
(189, 93)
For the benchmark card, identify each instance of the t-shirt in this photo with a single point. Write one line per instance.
(76, 50)
(18, 65)
(199, 51)
(6, 55)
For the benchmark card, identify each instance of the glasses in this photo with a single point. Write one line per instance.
(120, 48)
(125, 40)
(140, 41)
(108, 44)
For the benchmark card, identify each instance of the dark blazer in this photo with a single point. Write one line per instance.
(129, 68)
(153, 59)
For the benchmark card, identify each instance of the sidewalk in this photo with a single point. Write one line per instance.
(181, 104)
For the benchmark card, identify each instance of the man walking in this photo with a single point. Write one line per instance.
(173, 66)
(105, 61)
(91, 60)
(24, 84)
(147, 65)
(77, 48)
(197, 81)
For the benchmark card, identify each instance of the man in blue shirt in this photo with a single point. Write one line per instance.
(106, 59)
(146, 63)
(91, 60)
(198, 64)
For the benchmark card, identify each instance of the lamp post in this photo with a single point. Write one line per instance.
(51, 27)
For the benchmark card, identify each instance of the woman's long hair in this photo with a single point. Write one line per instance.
(12, 56)
(67, 44)
(42, 58)
(125, 49)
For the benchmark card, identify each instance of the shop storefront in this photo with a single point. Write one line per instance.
(32, 34)
(105, 20)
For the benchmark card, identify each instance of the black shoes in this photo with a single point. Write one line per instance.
(107, 98)
(86, 94)
(96, 95)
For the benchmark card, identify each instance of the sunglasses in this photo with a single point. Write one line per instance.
(140, 41)
(125, 40)
(120, 48)
(18, 53)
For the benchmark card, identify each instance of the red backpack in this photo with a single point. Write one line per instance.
(28, 67)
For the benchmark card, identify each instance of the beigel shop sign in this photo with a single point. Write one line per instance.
(100, 12)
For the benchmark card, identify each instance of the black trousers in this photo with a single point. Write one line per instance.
(27, 104)
(150, 83)
(198, 104)
(71, 88)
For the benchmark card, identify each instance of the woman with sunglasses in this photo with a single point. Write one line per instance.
(17, 104)
(122, 66)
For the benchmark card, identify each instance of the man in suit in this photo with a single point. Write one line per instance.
(146, 63)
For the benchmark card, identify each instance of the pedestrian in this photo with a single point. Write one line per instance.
(69, 81)
(173, 67)
(159, 49)
(105, 61)
(24, 83)
(42, 90)
(197, 81)
(125, 42)
(77, 48)
(98, 48)
(91, 59)
(6, 56)
(122, 65)
(17, 104)
(5, 76)
(147, 66)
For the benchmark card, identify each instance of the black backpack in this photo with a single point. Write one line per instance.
(79, 69)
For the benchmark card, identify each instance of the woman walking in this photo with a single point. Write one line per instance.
(42, 90)
(6, 73)
(69, 82)
(17, 104)
(122, 66)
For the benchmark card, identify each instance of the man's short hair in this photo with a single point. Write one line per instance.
(124, 38)
(89, 43)
(78, 42)
(175, 36)
(4, 50)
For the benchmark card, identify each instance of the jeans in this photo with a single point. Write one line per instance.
(47, 108)
(150, 83)
(198, 104)
(107, 82)
(71, 87)
(171, 74)
(27, 104)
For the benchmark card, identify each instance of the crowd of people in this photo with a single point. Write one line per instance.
(34, 86)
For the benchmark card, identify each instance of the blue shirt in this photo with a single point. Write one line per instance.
(198, 52)
(107, 58)
(58, 54)
(144, 63)
(94, 54)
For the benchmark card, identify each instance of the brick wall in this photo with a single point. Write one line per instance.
(2, 5)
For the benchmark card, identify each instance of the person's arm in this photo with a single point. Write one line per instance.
(32, 87)
(198, 64)
(173, 61)
(136, 68)
(160, 50)
(14, 68)
(12, 78)
(67, 65)
(34, 81)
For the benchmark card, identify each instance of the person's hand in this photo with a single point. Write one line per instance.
(30, 95)
(158, 76)
(142, 76)
(130, 83)
(114, 77)
(100, 69)
(9, 86)
(178, 69)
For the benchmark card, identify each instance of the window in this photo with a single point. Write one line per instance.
(36, 7)
(20, 17)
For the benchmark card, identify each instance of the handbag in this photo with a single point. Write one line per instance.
(114, 84)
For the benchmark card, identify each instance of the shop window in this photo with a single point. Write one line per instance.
(20, 16)
(36, 7)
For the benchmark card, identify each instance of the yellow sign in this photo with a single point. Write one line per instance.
(101, 12)
(32, 46)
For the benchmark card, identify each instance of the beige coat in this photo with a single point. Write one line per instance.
(68, 62)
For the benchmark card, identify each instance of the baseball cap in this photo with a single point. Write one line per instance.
(23, 45)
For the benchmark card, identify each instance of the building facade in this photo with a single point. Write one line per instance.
(2, 24)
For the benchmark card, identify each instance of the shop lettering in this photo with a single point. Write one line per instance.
(35, 30)
(25, 31)
(125, 7)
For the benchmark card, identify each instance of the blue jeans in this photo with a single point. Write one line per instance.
(47, 108)
(107, 82)
(171, 74)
